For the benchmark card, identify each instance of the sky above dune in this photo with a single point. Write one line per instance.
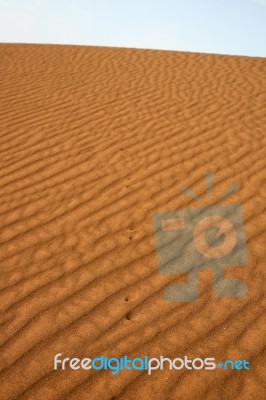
(210, 26)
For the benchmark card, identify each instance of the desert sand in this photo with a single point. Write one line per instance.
(93, 142)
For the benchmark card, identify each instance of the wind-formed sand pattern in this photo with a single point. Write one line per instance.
(94, 141)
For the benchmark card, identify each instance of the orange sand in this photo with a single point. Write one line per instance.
(94, 141)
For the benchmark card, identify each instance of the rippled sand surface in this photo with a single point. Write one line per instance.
(93, 142)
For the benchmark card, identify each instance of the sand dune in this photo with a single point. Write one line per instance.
(93, 142)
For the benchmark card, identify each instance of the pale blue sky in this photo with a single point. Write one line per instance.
(209, 26)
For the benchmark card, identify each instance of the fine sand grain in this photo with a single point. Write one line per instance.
(93, 142)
